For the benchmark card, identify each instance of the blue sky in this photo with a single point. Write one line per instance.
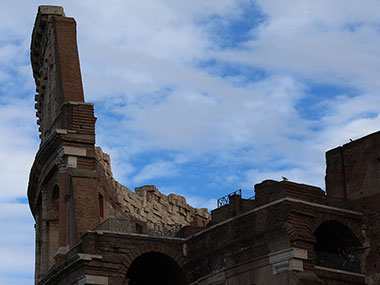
(199, 98)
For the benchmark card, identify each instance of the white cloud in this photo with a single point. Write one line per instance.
(16, 243)
(339, 134)
(305, 176)
(199, 202)
(161, 82)
(17, 149)
(196, 201)
(154, 170)
(311, 44)
(322, 40)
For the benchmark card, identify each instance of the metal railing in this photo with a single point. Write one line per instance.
(225, 200)
(336, 261)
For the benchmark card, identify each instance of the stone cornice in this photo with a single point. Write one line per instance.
(282, 200)
(40, 37)
(37, 45)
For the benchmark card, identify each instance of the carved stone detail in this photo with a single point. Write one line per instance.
(61, 163)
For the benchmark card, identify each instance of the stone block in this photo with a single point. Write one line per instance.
(51, 10)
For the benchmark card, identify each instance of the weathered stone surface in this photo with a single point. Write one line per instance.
(353, 174)
(51, 10)
(71, 188)
(146, 203)
(92, 230)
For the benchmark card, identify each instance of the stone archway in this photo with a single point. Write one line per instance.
(154, 268)
(337, 247)
(333, 235)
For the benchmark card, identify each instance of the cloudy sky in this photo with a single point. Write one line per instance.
(199, 97)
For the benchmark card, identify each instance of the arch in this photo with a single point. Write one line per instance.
(154, 268)
(323, 217)
(53, 224)
(157, 246)
(333, 235)
(337, 246)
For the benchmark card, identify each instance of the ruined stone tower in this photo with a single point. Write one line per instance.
(353, 175)
(92, 230)
(63, 193)
(71, 189)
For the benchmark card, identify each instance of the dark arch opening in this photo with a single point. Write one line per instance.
(154, 268)
(337, 247)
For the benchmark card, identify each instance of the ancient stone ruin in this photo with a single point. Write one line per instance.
(92, 230)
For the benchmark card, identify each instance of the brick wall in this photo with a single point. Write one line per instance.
(353, 173)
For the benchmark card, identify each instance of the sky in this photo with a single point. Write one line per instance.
(199, 98)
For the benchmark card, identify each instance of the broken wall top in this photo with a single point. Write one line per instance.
(55, 64)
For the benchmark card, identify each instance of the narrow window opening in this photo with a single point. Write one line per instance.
(139, 229)
(101, 205)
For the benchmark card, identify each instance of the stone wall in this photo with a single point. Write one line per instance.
(146, 203)
(71, 189)
(353, 173)
(272, 242)
(272, 239)
(105, 257)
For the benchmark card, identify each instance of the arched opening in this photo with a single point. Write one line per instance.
(53, 224)
(337, 247)
(154, 268)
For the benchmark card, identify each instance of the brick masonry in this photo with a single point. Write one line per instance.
(92, 230)
(71, 189)
(146, 203)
